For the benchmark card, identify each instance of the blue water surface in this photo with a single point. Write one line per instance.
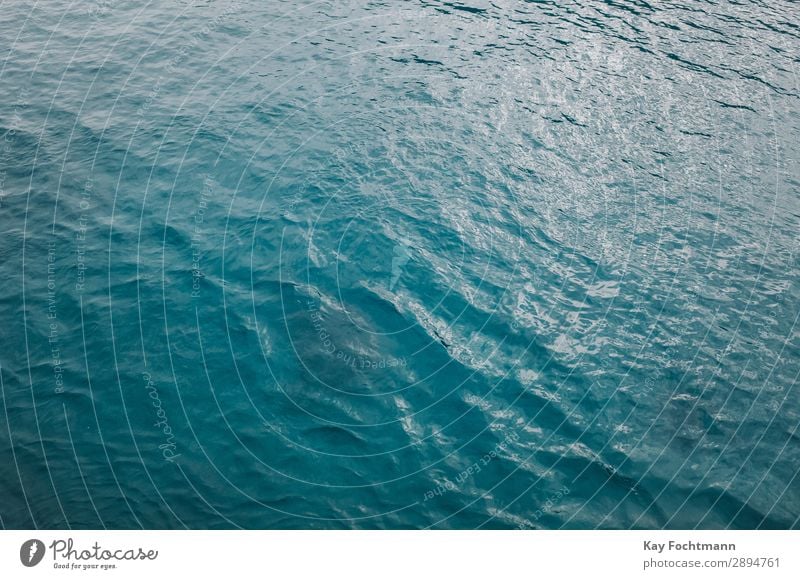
(419, 264)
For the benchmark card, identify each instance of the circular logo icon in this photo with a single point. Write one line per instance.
(31, 552)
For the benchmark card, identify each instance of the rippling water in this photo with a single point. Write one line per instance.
(494, 264)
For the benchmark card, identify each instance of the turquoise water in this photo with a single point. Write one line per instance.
(399, 265)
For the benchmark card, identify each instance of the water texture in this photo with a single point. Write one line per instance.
(421, 264)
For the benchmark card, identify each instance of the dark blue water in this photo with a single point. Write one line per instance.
(492, 264)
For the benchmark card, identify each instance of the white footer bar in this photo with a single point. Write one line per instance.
(400, 554)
